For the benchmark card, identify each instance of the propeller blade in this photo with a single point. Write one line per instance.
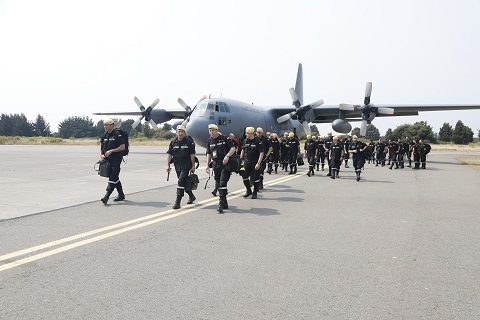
(284, 118)
(183, 104)
(201, 99)
(154, 103)
(368, 92)
(363, 128)
(345, 106)
(306, 127)
(153, 124)
(185, 122)
(386, 110)
(294, 96)
(316, 103)
(135, 124)
(139, 104)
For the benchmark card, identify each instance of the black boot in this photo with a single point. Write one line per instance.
(121, 195)
(214, 192)
(109, 189)
(248, 187)
(191, 197)
(220, 205)
(255, 190)
(276, 167)
(176, 205)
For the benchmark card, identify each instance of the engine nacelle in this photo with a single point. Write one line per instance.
(341, 126)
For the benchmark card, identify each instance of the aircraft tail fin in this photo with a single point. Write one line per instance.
(299, 84)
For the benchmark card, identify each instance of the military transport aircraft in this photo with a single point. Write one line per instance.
(232, 116)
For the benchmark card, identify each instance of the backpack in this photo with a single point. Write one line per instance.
(427, 148)
(125, 138)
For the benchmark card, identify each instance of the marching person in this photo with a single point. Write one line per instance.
(252, 154)
(284, 151)
(321, 152)
(182, 151)
(310, 149)
(267, 151)
(357, 148)
(380, 149)
(275, 155)
(219, 151)
(327, 146)
(335, 156)
(346, 144)
(294, 152)
(111, 146)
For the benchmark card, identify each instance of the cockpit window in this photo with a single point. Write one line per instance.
(211, 107)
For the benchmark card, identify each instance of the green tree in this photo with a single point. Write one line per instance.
(147, 132)
(77, 127)
(6, 125)
(356, 132)
(445, 133)
(314, 130)
(166, 126)
(388, 134)
(21, 126)
(462, 134)
(41, 127)
(127, 125)
(372, 132)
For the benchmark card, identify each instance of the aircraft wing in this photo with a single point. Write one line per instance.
(325, 114)
(133, 113)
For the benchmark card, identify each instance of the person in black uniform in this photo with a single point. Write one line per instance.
(423, 150)
(182, 151)
(328, 144)
(380, 152)
(407, 147)
(392, 153)
(284, 151)
(219, 151)
(321, 154)
(310, 149)
(416, 154)
(294, 152)
(357, 149)
(111, 146)
(267, 151)
(346, 144)
(275, 155)
(335, 156)
(400, 154)
(252, 154)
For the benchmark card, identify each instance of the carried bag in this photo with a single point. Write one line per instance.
(300, 161)
(103, 168)
(234, 163)
(192, 182)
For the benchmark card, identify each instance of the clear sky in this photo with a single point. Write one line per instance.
(72, 58)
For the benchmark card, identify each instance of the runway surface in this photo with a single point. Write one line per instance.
(399, 244)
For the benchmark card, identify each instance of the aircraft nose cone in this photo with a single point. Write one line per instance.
(197, 128)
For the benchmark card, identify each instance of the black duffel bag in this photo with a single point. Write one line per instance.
(192, 182)
(103, 168)
(234, 163)
(300, 161)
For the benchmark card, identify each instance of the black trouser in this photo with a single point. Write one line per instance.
(251, 175)
(292, 161)
(113, 178)
(221, 176)
(182, 169)
(423, 160)
(335, 164)
(358, 163)
(311, 161)
(320, 159)
(409, 158)
(285, 156)
(273, 160)
(416, 160)
(400, 159)
(381, 158)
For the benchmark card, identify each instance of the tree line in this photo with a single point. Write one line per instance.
(84, 127)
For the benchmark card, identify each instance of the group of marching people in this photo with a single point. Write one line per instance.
(259, 152)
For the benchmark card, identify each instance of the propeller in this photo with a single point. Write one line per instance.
(368, 110)
(145, 113)
(188, 109)
(300, 111)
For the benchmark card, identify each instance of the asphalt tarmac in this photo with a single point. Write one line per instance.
(399, 244)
